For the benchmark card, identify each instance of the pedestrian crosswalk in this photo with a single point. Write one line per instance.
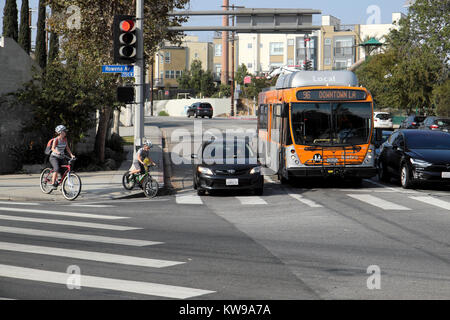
(387, 201)
(78, 239)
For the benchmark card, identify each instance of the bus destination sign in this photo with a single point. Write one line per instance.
(331, 95)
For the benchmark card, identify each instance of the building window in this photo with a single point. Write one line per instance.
(166, 57)
(249, 65)
(290, 42)
(328, 42)
(260, 45)
(327, 62)
(178, 74)
(290, 62)
(249, 46)
(276, 48)
(218, 50)
(196, 55)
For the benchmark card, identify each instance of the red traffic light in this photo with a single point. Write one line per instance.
(126, 25)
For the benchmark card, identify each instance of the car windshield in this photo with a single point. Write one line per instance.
(429, 141)
(419, 119)
(229, 152)
(331, 124)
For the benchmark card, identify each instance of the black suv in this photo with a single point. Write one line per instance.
(200, 109)
(412, 122)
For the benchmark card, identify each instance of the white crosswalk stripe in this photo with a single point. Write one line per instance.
(434, 202)
(188, 199)
(303, 200)
(377, 202)
(254, 200)
(88, 255)
(68, 223)
(63, 213)
(79, 237)
(145, 288)
(19, 203)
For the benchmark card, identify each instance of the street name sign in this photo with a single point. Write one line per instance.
(117, 69)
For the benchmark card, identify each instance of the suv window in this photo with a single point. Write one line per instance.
(419, 119)
(205, 105)
(384, 116)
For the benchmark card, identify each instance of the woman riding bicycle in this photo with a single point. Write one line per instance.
(58, 157)
(138, 165)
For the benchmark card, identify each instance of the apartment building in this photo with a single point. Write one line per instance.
(261, 53)
(172, 60)
(340, 43)
(217, 59)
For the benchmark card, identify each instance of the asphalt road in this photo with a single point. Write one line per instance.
(314, 240)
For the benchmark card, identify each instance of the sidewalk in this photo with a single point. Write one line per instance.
(96, 186)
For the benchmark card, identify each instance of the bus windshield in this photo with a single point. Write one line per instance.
(331, 124)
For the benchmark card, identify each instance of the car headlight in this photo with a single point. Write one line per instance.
(205, 170)
(255, 170)
(420, 163)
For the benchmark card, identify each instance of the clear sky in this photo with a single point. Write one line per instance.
(349, 11)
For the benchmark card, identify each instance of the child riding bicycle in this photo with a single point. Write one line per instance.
(140, 159)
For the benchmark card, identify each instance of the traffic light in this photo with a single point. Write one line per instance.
(125, 39)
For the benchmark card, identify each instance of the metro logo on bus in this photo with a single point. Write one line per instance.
(331, 95)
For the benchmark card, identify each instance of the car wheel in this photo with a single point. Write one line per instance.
(383, 174)
(405, 177)
(201, 192)
(210, 117)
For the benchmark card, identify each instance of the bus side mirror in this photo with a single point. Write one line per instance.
(378, 137)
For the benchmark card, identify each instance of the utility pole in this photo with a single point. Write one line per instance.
(139, 76)
(224, 76)
(232, 67)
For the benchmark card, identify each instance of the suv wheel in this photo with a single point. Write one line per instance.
(201, 192)
(406, 177)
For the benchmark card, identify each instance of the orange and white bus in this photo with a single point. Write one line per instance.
(317, 124)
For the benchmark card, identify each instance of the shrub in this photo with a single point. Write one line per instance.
(163, 114)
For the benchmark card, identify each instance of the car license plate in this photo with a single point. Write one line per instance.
(232, 182)
(446, 175)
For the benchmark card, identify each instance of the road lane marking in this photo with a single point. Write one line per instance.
(252, 200)
(80, 237)
(377, 202)
(188, 199)
(400, 190)
(303, 200)
(20, 203)
(63, 213)
(90, 205)
(434, 202)
(145, 288)
(69, 223)
(88, 255)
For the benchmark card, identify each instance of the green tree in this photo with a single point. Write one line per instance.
(66, 94)
(201, 81)
(25, 32)
(53, 51)
(10, 21)
(241, 73)
(441, 99)
(90, 40)
(41, 43)
(414, 61)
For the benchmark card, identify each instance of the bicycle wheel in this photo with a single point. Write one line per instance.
(127, 182)
(46, 181)
(150, 187)
(71, 186)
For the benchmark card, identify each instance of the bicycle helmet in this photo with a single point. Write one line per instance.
(148, 143)
(60, 129)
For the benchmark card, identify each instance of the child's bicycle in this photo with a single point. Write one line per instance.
(144, 180)
(70, 182)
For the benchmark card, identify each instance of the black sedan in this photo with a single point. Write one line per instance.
(227, 165)
(416, 156)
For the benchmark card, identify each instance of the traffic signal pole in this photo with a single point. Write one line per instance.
(139, 76)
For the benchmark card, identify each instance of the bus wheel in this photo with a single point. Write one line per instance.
(282, 179)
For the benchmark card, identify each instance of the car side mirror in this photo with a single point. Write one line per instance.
(194, 156)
